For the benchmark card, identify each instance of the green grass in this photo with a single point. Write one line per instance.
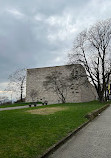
(25, 135)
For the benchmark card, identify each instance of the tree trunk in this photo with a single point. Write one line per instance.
(63, 99)
(21, 94)
(21, 98)
(101, 97)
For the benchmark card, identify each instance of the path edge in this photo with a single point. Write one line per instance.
(89, 116)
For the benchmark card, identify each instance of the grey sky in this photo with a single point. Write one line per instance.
(38, 33)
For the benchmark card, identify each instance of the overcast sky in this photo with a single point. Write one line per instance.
(39, 33)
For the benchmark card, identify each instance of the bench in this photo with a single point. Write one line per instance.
(45, 103)
(35, 103)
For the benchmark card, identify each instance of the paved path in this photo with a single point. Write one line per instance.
(17, 107)
(93, 141)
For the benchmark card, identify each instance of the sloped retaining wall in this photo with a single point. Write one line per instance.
(95, 113)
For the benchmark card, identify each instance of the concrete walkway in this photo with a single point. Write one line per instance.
(93, 141)
(17, 107)
(13, 108)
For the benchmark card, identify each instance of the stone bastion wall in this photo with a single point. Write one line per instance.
(81, 91)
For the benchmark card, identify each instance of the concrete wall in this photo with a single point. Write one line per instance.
(80, 92)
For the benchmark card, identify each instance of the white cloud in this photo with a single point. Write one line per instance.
(16, 13)
(54, 20)
(63, 25)
(58, 59)
(2, 85)
(39, 17)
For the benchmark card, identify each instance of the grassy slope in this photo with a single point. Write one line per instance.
(24, 135)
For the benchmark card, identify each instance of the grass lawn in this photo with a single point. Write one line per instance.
(24, 134)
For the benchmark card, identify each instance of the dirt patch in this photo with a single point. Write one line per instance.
(47, 111)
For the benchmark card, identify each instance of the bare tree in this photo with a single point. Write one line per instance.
(92, 50)
(58, 84)
(17, 82)
(33, 94)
